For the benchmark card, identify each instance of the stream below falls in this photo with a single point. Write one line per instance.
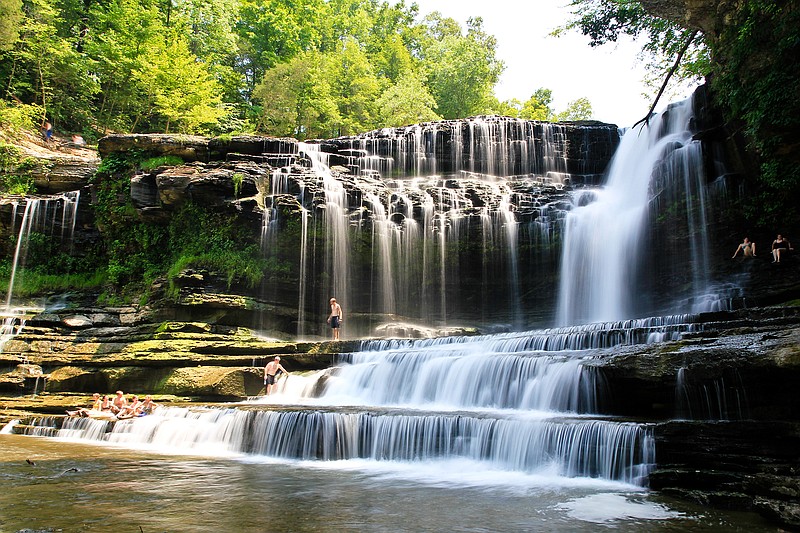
(87, 487)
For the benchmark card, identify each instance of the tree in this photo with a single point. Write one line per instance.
(209, 26)
(297, 99)
(10, 17)
(462, 69)
(275, 31)
(537, 107)
(580, 109)
(406, 102)
(748, 51)
(603, 21)
(180, 88)
(354, 87)
(43, 67)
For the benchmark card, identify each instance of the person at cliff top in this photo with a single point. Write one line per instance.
(335, 318)
(780, 247)
(119, 402)
(747, 248)
(271, 371)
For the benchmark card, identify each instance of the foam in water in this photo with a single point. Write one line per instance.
(606, 508)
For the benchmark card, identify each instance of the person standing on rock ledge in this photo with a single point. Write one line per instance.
(271, 371)
(335, 318)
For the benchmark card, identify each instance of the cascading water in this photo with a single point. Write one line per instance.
(394, 216)
(488, 401)
(605, 242)
(522, 403)
(53, 216)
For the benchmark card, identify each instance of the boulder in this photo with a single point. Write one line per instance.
(214, 382)
(187, 147)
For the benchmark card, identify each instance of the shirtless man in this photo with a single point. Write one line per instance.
(335, 318)
(270, 371)
(119, 402)
(132, 409)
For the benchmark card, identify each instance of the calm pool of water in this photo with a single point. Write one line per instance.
(81, 487)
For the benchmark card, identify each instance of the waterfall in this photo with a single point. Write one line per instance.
(428, 223)
(605, 237)
(337, 247)
(54, 216)
(522, 402)
(566, 448)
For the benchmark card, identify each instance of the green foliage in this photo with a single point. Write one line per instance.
(298, 99)
(10, 16)
(160, 161)
(199, 239)
(15, 177)
(580, 109)
(406, 102)
(304, 68)
(462, 69)
(183, 94)
(750, 60)
(537, 107)
(16, 118)
(237, 178)
(758, 78)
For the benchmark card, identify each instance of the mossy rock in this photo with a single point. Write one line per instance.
(214, 382)
(72, 378)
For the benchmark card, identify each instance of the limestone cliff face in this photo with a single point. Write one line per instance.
(708, 16)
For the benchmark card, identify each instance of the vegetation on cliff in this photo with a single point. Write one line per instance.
(136, 252)
(747, 50)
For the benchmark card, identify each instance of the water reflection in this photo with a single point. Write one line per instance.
(77, 487)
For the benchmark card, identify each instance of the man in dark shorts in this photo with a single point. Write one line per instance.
(270, 372)
(335, 318)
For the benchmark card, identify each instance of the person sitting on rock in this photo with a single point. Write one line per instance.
(747, 248)
(134, 408)
(82, 411)
(106, 404)
(780, 248)
(148, 405)
(119, 403)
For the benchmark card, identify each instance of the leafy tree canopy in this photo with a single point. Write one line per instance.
(306, 68)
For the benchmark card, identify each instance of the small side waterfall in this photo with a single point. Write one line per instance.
(53, 216)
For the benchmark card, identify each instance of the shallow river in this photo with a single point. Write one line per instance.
(84, 487)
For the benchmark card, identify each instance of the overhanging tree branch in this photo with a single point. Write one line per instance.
(678, 59)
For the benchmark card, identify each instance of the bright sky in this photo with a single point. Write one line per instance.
(610, 76)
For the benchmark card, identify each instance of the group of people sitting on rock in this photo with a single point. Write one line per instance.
(780, 248)
(118, 407)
